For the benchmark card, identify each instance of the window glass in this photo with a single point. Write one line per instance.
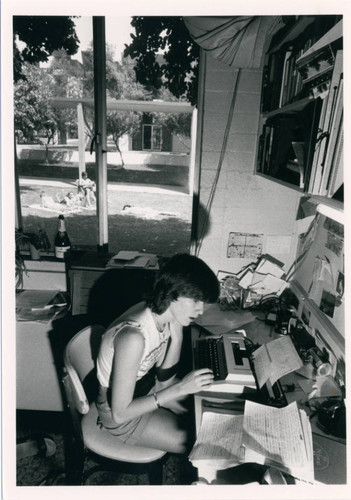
(149, 204)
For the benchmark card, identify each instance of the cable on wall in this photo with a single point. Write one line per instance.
(219, 167)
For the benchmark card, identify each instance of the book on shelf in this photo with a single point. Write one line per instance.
(273, 82)
(285, 78)
(277, 80)
(265, 89)
(291, 79)
(259, 166)
(276, 437)
(267, 146)
(306, 51)
(270, 147)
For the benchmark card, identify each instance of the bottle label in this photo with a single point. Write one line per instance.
(60, 252)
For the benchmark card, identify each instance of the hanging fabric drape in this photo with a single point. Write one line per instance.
(236, 41)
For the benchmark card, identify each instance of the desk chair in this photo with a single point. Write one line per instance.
(80, 385)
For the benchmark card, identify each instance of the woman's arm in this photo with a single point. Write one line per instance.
(129, 347)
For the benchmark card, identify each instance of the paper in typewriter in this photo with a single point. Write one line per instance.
(219, 441)
(275, 359)
(280, 437)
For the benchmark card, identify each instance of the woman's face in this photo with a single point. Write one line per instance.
(186, 310)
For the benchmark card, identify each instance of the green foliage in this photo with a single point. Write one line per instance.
(120, 84)
(33, 113)
(111, 72)
(128, 86)
(66, 78)
(177, 123)
(177, 68)
(41, 36)
(32, 110)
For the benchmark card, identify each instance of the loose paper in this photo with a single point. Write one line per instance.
(219, 442)
(279, 436)
(276, 359)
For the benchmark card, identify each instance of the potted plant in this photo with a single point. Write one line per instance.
(34, 245)
(32, 242)
(21, 240)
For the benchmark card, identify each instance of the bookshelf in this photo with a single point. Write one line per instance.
(301, 128)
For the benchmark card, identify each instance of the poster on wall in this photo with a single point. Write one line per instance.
(244, 245)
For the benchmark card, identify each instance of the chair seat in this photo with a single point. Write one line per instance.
(101, 442)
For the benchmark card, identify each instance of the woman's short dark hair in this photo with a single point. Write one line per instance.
(183, 275)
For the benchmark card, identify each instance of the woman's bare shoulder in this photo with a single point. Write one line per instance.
(129, 336)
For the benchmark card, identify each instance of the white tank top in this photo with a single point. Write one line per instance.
(138, 316)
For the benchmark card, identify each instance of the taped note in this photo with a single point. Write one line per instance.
(245, 245)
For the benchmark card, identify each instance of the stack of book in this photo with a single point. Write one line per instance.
(130, 259)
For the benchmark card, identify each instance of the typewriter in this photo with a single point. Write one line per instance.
(230, 358)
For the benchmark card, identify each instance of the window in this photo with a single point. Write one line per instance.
(152, 137)
(141, 215)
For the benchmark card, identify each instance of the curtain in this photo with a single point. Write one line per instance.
(236, 41)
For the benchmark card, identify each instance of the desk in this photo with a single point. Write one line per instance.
(38, 384)
(37, 381)
(329, 452)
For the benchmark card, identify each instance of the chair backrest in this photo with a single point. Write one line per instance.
(79, 362)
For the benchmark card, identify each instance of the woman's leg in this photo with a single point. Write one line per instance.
(165, 431)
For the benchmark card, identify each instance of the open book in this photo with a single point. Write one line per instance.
(277, 437)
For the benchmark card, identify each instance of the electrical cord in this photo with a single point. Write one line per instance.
(219, 167)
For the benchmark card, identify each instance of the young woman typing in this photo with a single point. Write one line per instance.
(139, 396)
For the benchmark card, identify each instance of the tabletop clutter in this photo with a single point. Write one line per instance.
(252, 283)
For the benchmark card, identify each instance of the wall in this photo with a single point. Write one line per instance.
(59, 154)
(45, 275)
(181, 146)
(243, 201)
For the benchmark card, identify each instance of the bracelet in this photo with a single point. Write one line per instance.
(156, 400)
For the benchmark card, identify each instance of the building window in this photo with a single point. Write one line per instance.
(152, 137)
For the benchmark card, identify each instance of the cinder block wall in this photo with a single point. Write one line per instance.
(243, 201)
